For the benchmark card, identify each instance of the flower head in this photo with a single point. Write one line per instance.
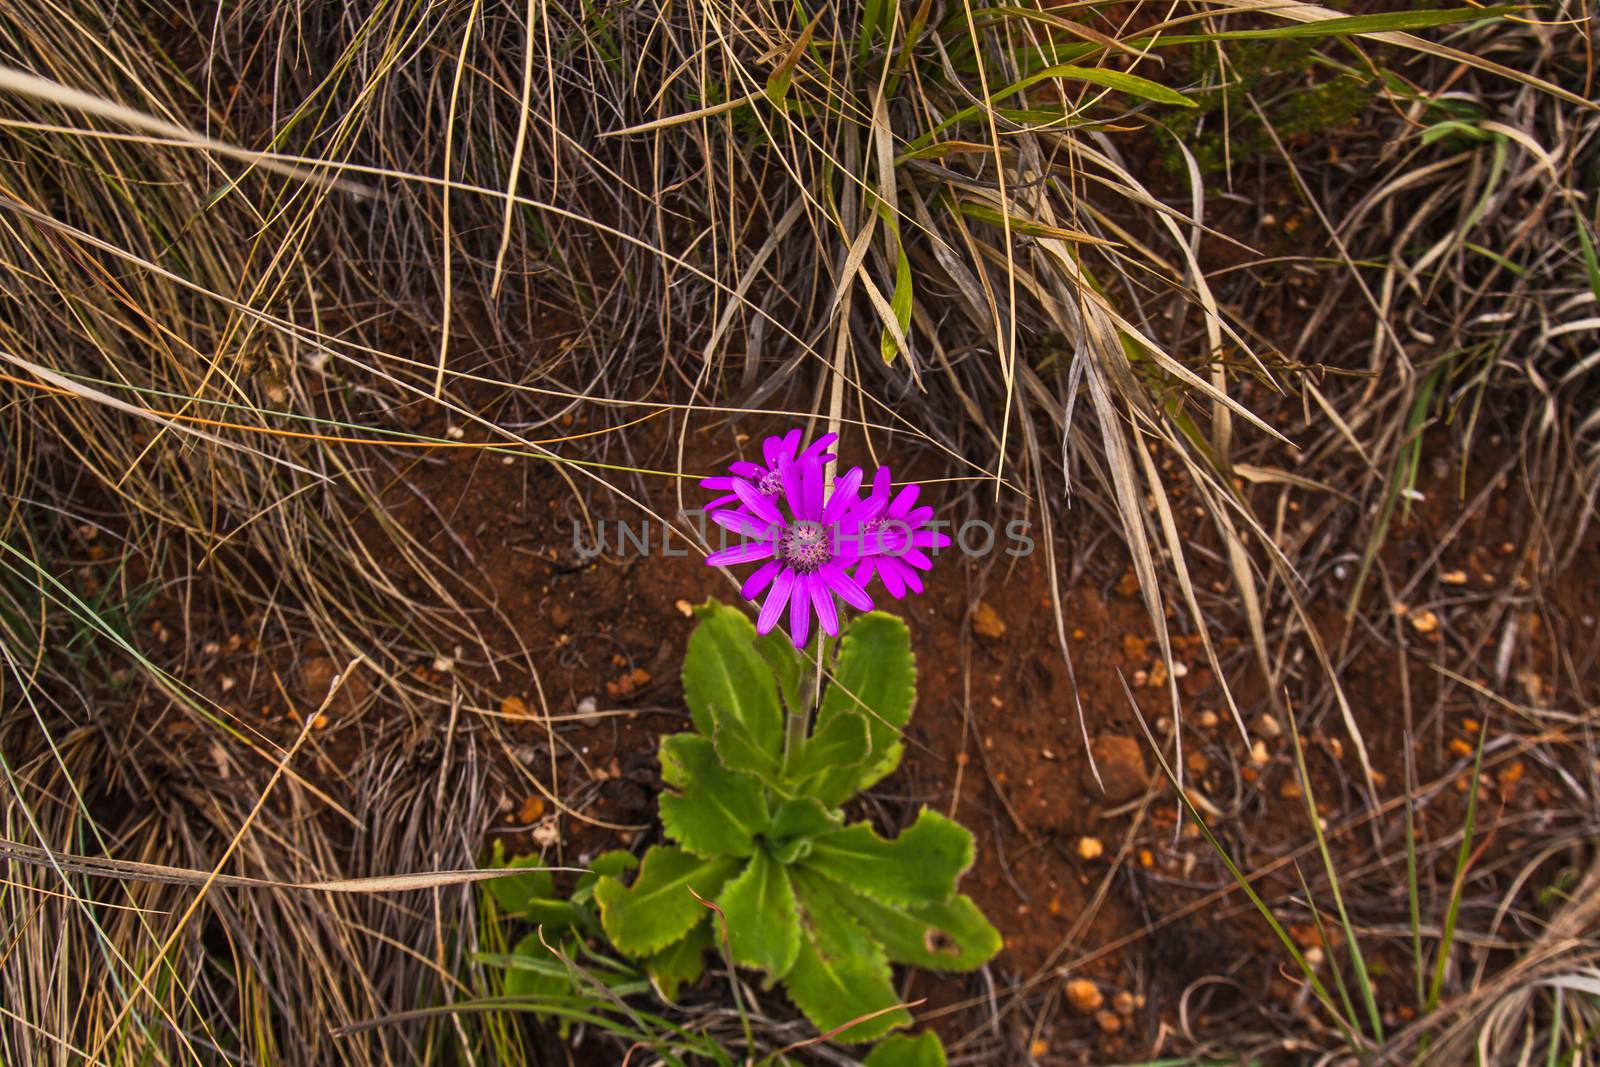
(807, 538)
(768, 479)
(905, 535)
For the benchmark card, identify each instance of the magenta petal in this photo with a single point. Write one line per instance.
(930, 539)
(889, 570)
(849, 590)
(864, 570)
(790, 473)
(881, 482)
(811, 488)
(800, 611)
(721, 481)
(917, 559)
(749, 525)
(818, 449)
(745, 469)
(913, 580)
(844, 495)
(722, 502)
(759, 578)
(827, 613)
(773, 607)
(906, 498)
(748, 552)
(760, 506)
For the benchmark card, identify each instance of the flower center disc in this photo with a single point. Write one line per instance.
(805, 546)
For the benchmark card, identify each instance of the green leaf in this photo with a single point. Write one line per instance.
(534, 971)
(681, 962)
(778, 80)
(723, 668)
(949, 936)
(795, 824)
(738, 748)
(901, 1050)
(514, 894)
(840, 973)
(659, 908)
(763, 930)
(611, 864)
(842, 741)
(781, 655)
(875, 677)
(1119, 80)
(920, 866)
(901, 299)
(717, 812)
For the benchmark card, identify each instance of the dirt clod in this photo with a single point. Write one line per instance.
(986, 622)
(1120, 761)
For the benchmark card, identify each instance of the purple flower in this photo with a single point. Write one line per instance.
(806, 536)
(905, 534)
(768, 480)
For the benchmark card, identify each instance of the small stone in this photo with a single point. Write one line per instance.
(685, 608)
(986, 622)
(512, 707)
(1315, 956)
(640, 677)
(320, 722)
(227, 682)
(1454, 577)
(1259, 754)
(1268, 727)
(1108, 1022)
(1039, 1048)
(443, 664)
(1123, 1003)
(1090, 848)
(587, 706)
(1425, 622)
(1135, 648)
(1157, 675)
(1460, 747)
(531, 811)
(1290, 789)
(1084, 996)
(544, 835)
(1208, 720)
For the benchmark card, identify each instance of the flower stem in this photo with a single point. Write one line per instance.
(798, 723)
